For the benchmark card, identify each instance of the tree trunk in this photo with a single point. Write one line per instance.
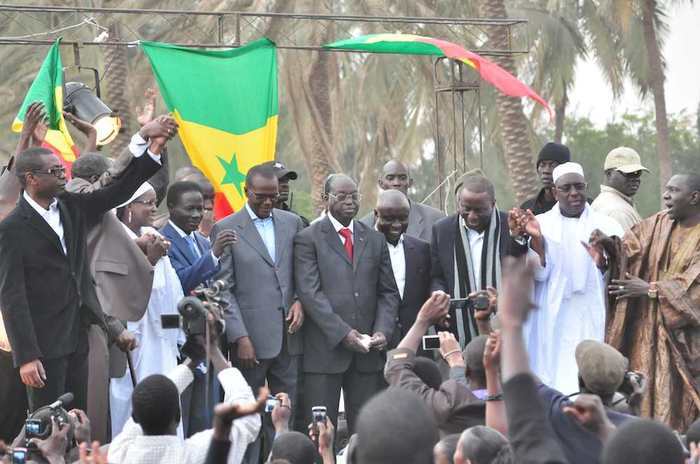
(656, 82)
(560, 117)
(514, 125)
(116, 92)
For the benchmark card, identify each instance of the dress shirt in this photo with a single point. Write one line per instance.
(139, 145)
(398, 263)
(476, 244)
(52, 216)
(190, 238)
(337, 226)
(132, 446)
(618, 206)
(266, 230)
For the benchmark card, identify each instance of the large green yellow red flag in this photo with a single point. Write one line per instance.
(225, 102)
(47, 88)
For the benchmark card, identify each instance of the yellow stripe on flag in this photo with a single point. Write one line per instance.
(225, 157)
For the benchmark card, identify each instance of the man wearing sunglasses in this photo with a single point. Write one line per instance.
(47, 293)
(569, 287)
(623, 175)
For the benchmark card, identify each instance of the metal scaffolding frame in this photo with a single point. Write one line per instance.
(455, 85)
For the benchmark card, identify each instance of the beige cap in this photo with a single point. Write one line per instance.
(624, 159)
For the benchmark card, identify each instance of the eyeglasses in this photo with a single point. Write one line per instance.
(344, 196)
(56, 171)
(265, 196)
(566, 188)
(146, 203)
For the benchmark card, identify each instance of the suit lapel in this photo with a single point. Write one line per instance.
(67, 224)
(279, 239)
(179, 243)
(411, 265)
(359, 244)
(333, 239)
(38, 222)
(250, 234)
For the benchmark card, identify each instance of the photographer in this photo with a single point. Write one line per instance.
(150, 436)
(452, 403)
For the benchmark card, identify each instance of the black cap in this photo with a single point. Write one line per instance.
(281, 170)
(554, 152)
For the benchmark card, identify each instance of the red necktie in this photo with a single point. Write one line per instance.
(347, 235)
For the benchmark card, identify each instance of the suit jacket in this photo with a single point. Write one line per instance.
(442, 250)
(417, 286)
(191, 270)
(339, 295)
(48, 298)
(260, 290)
(420, 220)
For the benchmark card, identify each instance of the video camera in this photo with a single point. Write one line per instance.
(478, 302)
(192, 318)
(39, 425)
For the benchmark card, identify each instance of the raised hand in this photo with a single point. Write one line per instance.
(435, 309)
(515, 292)
(514, 224)
(530, 225)
(492, 351)
(223, 240)
(588, 410)
(145, 115)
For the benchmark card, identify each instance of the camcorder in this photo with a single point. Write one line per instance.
(40, 425)
(193, 311)
(478, 302)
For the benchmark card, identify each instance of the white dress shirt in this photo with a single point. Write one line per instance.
(52, 216)
(476, 244)
(191, 236)
(398, 263)
(266, 230)
(337, 226)
(133, 447)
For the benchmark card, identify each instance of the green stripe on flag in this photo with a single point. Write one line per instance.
(239, 95)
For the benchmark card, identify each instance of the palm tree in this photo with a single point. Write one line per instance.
(513, 123)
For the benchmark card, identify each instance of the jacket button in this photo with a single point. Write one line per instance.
(357, 294)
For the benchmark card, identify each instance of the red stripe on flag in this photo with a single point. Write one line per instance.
(222, 207)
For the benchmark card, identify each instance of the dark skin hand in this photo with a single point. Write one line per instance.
(84, 127)
(245, 352)
(156, 249)
(126, 341)
(34, 127)
(223, 240)
(53, 448)
(81, 425)
(353, 343)
(631, 287)
(295, 318)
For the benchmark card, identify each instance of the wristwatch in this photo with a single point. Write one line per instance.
(496, 397)
(653, 292)
(520, 239)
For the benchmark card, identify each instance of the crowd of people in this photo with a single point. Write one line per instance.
(562, 331)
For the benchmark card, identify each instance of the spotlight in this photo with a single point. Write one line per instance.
(84, 104)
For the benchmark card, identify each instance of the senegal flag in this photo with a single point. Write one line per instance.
(225, 102)
(47, 88)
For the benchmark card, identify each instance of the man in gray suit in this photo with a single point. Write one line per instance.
(264, 316)
(345, 282)
(396, 176)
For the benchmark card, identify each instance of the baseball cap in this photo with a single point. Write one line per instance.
(281, 170)
(601, 366)
(625, 160)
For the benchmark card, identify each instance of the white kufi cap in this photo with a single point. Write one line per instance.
(567, 168)
(145, 187)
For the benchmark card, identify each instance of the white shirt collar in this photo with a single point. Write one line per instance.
(337, 225)
(252, 214)
(470, 232)
(179, 231)
(53, 207)
(398, 244)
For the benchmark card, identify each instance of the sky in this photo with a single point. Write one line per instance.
(592, 97)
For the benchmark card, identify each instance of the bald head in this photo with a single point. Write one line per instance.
(682, 197)
(392, 199)
(391, 215)
(395, 176)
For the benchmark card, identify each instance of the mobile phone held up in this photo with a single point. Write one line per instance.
(431, 342)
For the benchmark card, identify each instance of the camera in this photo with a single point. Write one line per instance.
(478, 302)
(431, 342)
(38, 424)
(318, 414)
(271, 403)
(193, 310)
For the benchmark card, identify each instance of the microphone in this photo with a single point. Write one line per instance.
(65, 399)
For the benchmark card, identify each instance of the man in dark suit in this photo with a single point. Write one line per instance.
(346, 285)
(410, 258)
(473, 241)
(196, 261)
(263, 316)
(47, 294)
(396, 176)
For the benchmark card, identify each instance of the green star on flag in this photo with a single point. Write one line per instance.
(232, 175)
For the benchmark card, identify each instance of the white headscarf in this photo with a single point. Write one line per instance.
(145, 187)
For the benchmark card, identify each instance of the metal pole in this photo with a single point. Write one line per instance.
(220, 28)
